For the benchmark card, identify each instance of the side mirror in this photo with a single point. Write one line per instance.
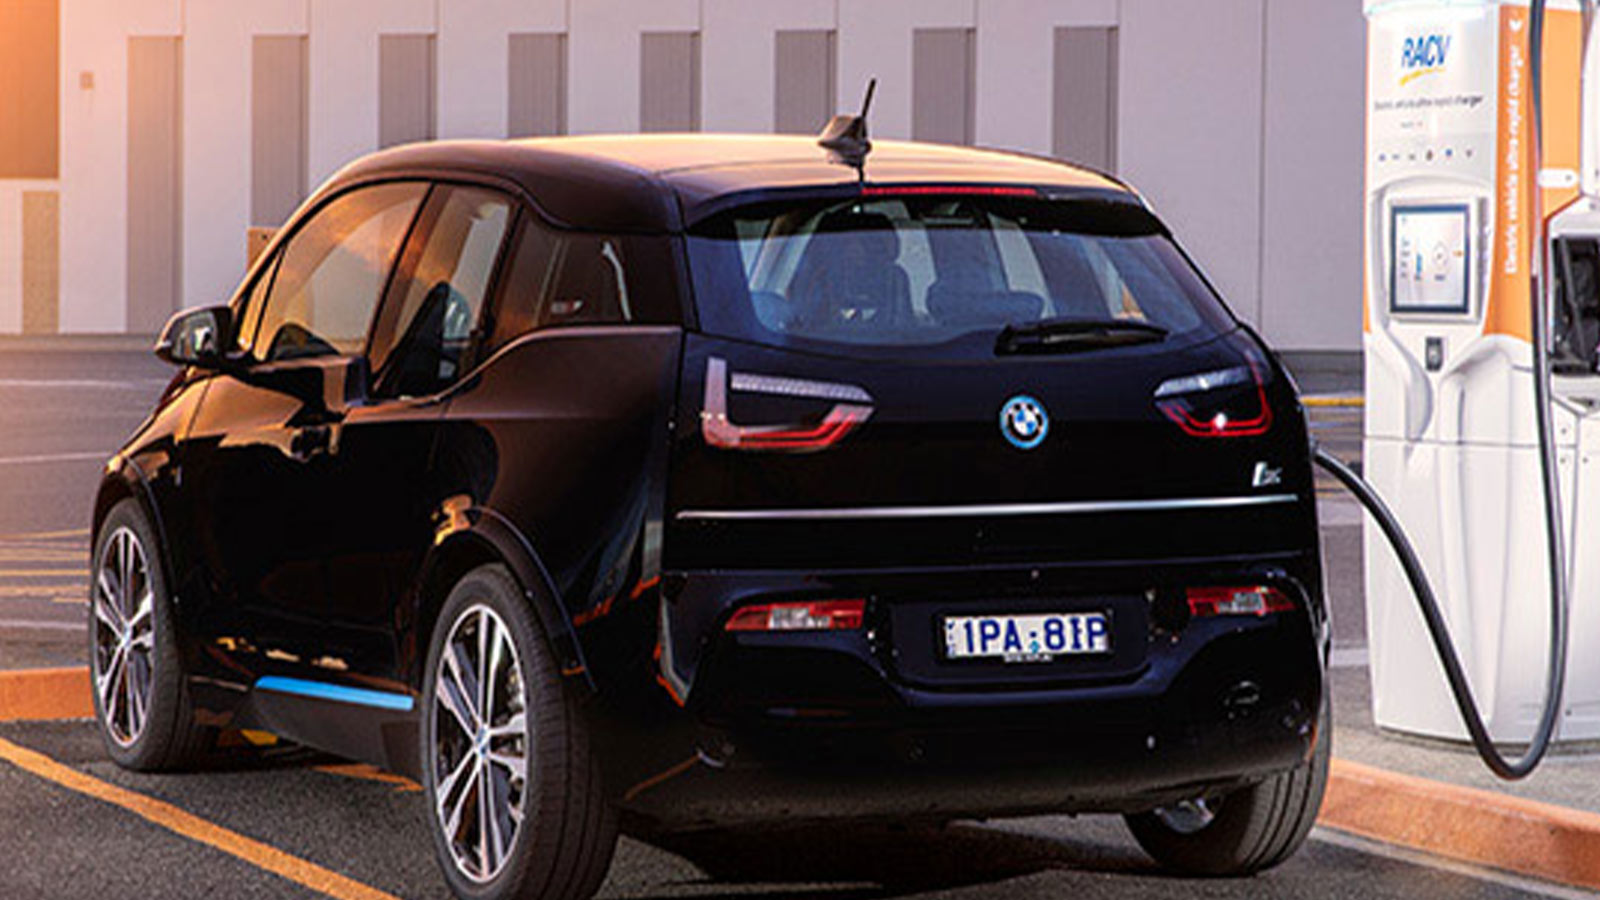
(197, 337)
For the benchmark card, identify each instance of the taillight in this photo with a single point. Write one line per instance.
(1258, 600)
(810, 615)
(1223, 403)
(851, 406)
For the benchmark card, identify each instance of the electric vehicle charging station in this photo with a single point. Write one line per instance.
(1452, 441)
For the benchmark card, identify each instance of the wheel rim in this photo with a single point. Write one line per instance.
(480, 743)
(1189, 816)
(123, 619)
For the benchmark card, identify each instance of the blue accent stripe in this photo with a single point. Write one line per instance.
(323, 691)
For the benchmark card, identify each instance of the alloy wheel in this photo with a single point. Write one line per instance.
(123, 606)
(480, 743)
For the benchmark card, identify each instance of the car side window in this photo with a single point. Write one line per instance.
(251, 306)
(332, 272)
(428, 324)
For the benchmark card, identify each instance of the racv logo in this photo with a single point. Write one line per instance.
(1423, 55)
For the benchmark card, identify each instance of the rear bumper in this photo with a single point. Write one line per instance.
(840, 725)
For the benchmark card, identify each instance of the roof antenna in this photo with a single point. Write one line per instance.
(845, 137)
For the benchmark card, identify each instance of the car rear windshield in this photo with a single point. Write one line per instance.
(941, 275)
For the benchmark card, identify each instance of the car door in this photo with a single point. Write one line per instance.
(259, 462)
(386, 486)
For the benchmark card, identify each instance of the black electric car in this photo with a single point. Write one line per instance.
(678, 483)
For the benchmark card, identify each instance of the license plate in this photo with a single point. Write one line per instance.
(1026, 638)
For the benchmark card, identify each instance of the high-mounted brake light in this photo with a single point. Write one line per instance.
(1224, 403)
(982, 190)
(810, 615)
(1257, 600)
(852, 406)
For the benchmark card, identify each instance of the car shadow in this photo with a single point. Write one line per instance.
(895, 859)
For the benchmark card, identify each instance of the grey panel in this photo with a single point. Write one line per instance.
(278, 142)
(805, 85)
(405, 89)
(1085, 96)
(537, 92)
(155, 181)
(669, 81)
(943, 92)
(41, 262)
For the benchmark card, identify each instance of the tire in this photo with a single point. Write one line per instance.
(142, 703)
(547, 788)
(1248, 831)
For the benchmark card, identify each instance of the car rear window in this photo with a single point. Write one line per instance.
(938, 275)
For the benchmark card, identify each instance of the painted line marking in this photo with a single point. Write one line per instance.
(45, 694)
(365, 772)
(1467, 824)
(43, 590)
(53, 458)
(185, 824)
(45, 535)
(42, 573)
(1333, 402)
(1439, 863)
(41, 625)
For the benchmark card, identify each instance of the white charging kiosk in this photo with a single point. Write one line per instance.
(1451, 439)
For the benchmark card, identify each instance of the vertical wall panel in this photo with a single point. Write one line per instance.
(155, 181)
(1084, 99)
(669, 81)
(536, 93)
(41, 262)
(943, 92)
(278, 145)
(405, 88)
(805, 86)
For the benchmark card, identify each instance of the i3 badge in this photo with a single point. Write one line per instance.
(1024, 422)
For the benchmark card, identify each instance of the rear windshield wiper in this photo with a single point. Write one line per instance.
(1065, 334)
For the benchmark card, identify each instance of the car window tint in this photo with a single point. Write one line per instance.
(588, 284)
(332, 273)
(421, 351)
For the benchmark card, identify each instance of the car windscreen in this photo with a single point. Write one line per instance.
(934, 275)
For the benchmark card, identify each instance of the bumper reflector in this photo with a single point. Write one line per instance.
(813, 615)
(1237, 601)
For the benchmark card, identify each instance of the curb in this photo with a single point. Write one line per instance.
(1471, 825)
(1467, 824)
(45, 694)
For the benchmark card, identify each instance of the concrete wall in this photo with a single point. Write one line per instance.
(1240, 120)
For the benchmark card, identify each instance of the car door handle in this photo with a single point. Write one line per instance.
(311, 441)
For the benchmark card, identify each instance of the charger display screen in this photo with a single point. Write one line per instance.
(1430, 259)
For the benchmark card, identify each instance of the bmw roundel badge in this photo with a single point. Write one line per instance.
(1024, 422)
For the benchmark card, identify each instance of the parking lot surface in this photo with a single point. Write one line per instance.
(281, 822)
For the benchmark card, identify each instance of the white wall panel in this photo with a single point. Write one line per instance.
(1015, 41)
(1190, 136)
(603, 47)
(875, 41)
(1311, 273)
(218, 36)
(737, 41)
(344, 73)
(473, 59)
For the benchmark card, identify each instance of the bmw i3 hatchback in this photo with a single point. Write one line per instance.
(680, 483)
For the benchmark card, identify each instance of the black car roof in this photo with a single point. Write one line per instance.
(658, 182)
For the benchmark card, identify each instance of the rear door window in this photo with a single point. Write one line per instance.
(939, 275)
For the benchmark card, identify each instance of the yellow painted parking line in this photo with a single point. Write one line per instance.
(69, 598)
(43, 590)
(371, 773)
(1334, 402)
(38, 554)
(41, 573)
(45, 694)
(158, 812)
(45, 535)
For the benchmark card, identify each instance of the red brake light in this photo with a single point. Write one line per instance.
(810, 615)
(1258, 600)
(984, 190)
(1221, 404)
(852, 405)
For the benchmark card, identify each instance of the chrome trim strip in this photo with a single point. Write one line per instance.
(1069, 508)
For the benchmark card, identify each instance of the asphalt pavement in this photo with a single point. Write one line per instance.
(288, 823)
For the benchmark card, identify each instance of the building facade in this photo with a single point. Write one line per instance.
(175, 125)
